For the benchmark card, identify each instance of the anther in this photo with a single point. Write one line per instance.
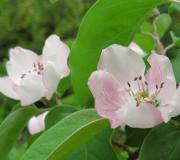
(162, 84)
(34, 65)
(135, 79)
(177, 85)
(140, 78)
(23, 75)
(129, 84)
(157, 86)
(38, 73)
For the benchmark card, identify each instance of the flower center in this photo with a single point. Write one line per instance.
(37, 68)
(142, 93)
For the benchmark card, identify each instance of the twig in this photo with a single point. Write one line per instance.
(168, 48)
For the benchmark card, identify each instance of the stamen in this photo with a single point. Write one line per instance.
(22, 76)
(129, 85)
(147, 86)
(130, 90)
(142, 84)
(38, 73)
(157, 87)
(34, 65)
(162, 84)
(177, 85)
(136, 79)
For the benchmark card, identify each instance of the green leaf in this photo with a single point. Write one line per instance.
(135, 136)
(162, 143)
(57, 114)
(176, 40)
(99, 148)
(176, 63)
(11, 127)
(107, 22)
(163, 22)
(174, 8)
(64, 85)
(65, 136)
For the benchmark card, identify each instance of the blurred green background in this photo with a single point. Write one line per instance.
(28, 23)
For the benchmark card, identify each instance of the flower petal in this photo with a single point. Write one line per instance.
(108, 96)
(21, 61)
(122, 62)
(56, 52)
(172, 109)
(7, 88)
(31, 89)
(33, 126)
(137, 49)
(37, 124)
(144, 116)
(161, 72)
(51, 80)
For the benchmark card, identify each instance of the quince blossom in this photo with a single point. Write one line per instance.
(37, 123)
(127, 95)
(30, 76)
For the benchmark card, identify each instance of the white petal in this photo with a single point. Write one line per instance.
(122, 62)
(21, 61)
(144, 116)
(33, 126)
(37, 124)
(51, 80)
(56, 52)
(31, 89)
(137, 49)
(161, 72)
(7, 88)
(172, 109)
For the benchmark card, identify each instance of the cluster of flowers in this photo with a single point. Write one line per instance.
(124, 92)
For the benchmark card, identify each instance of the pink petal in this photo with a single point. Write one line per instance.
(108, 96)
(144, 116)
(37, 124)
(21, 61)
(56, 52)
(31, 89)
(161, 72)
(122, 63)
(7, 88)
(51, 80)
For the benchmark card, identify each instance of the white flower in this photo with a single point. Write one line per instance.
(31, 77)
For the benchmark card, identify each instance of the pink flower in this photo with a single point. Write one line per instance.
(31, 77)
(124, 94)
(37, 124)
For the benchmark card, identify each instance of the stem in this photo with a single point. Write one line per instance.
(168, 48)
(159, 45)
(57, 98)
(124, 147)
(46, 102)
